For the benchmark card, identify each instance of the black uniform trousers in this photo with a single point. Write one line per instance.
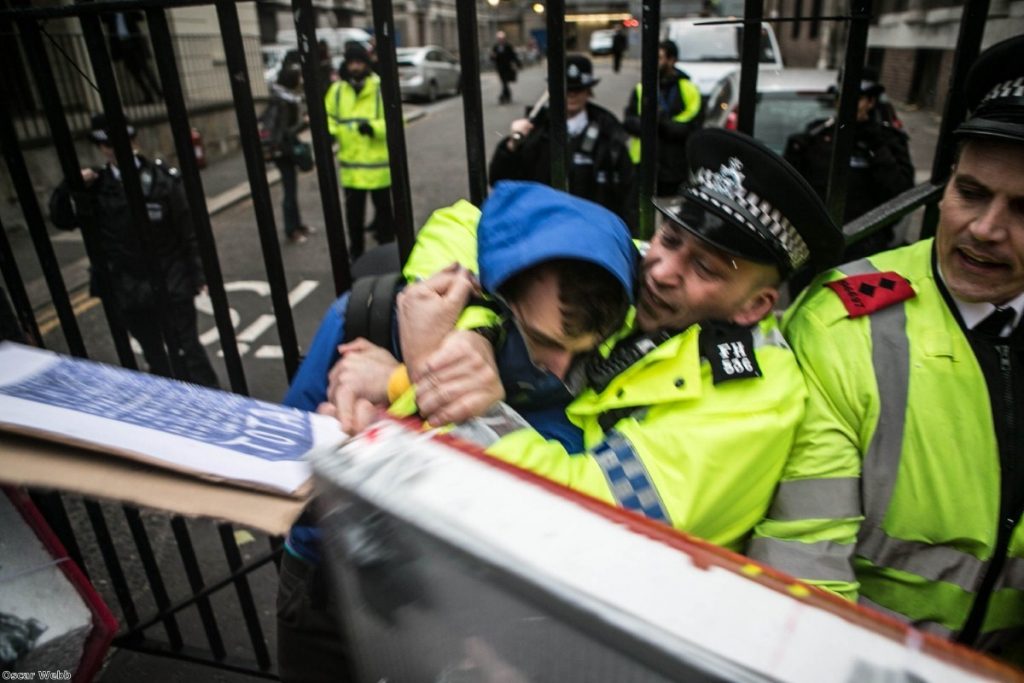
(186, 358)
(355, 218)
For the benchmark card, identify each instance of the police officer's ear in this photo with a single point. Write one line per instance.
(757, 306)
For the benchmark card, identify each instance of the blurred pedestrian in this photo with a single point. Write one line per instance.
(128, 44)
(355, 117)
(506, 62)
(290, 155)
(127, 284)
(619, 43)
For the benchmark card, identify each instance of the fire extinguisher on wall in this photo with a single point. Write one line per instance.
(199, 148)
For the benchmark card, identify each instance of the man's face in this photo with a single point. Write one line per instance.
(356, 68)
(864, 106)
(538, 315)
(980, 239)
(665, 63)
(575, 101)
(685, 280)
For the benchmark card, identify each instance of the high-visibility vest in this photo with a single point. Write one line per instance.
(893, 487)
(696, 453)
(690, 96)
(363, 160)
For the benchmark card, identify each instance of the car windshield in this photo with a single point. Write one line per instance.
(719, 44)
(780, 115)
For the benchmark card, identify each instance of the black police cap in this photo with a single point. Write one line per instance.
(579, 73)
(99, 129)
(746, 200)
(995, 93)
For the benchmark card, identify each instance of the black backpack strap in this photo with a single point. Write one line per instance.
(370, 304)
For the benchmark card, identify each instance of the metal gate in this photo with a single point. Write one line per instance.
(142, 596)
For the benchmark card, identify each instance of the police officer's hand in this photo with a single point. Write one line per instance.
(361, 374)
(460, 381)
(428, 310)
(89, 176)
(366, 129)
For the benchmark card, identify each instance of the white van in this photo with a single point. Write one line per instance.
(336, 38)
(709, 52)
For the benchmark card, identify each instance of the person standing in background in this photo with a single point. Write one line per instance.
(355, 117)
(289, 121)
(619, 43)
(506, 62)
(680, 113)
(164, 325)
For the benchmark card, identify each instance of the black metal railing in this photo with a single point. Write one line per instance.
(51, 84)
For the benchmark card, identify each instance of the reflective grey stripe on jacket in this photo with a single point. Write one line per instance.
(820, 561)
(350, 164)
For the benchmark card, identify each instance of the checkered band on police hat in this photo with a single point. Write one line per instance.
(724, 189)
(744, 199)
(994, 92)
(1011, 88)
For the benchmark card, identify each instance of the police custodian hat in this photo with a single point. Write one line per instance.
(746, 200)
(995, 93)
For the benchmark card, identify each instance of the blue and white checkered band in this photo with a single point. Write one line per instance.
(724, 189)
(1011, 88)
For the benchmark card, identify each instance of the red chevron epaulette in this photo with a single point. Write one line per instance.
(865, 294)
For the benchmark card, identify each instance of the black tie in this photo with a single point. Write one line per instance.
(993, 325)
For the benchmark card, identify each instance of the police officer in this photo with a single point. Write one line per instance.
(906, 485)
(355, 117)
(127, 280)
(600, 169)
(689, 419)
(680, 113)
(880, 166)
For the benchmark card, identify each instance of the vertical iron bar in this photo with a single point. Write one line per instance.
(856, 50)
(108, 551)
(177, 114)
(152, 569)
(52, 506)
(16, 289)
(751, 58)
(231, 34)
(555, 16)
(245, 599)
(326, 173)
(125, 154)
(968, 46)
(68, 158)
(195, 582)
(650, 21)
(401, 195)
(37, 229)
(472, 100)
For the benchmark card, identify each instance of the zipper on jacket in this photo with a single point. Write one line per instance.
(976, 617)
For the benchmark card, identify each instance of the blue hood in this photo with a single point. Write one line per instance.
(526, 223)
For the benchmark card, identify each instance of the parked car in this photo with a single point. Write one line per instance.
(709, 52)
(428, 71)
(787, 100)
(601, 42)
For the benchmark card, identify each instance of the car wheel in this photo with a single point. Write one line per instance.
(432, 92)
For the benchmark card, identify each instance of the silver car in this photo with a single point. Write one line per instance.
(427, 72)
(787, 100)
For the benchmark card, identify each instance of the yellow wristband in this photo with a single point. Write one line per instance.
(398, 383)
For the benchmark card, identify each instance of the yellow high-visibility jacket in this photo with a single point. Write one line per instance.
(893, 488)
(363, 160)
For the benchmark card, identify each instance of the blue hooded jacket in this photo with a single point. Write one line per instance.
(525, 224)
